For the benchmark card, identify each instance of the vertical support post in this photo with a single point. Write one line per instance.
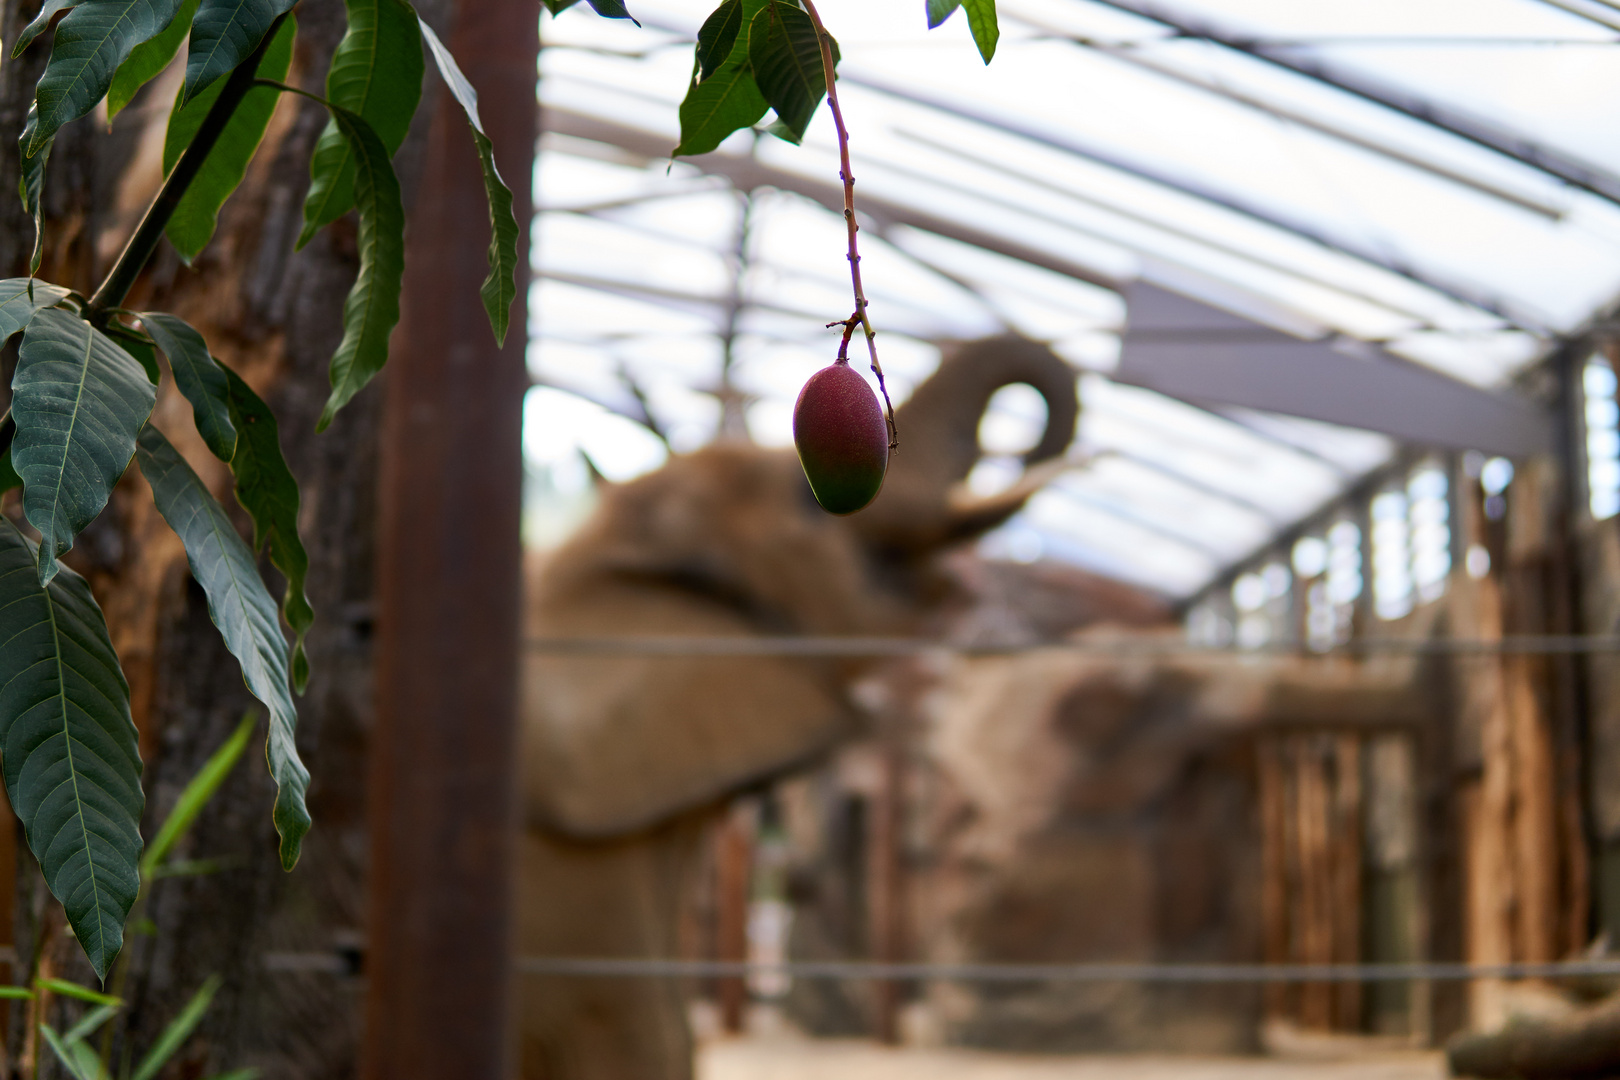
(734, 873)
(887, 903)
(443, 811)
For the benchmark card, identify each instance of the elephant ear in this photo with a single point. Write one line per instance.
(922, 507)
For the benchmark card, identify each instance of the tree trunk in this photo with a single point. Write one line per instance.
(289, 1004)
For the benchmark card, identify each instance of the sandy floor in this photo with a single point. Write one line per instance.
(792, 1059)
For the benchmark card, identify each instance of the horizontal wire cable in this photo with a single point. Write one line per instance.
(874, 647)
(858, 970)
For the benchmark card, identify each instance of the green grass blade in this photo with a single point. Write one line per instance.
(16, 993)
(65, 1055)
(372, 308)
(192, 224)
(500, 287)
(79, 993)
(72, 768)
(178, 1031)
(199, 377)
(224, 34)
(91, 43)
(196, 794)
(78, 400)
(90, 1021)
(148, 59)
(376, 73)
(241, 608)
(267, 490)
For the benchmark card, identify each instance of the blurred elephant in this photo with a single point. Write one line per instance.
(626, 758)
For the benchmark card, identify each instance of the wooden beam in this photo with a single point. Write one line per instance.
(443, 820)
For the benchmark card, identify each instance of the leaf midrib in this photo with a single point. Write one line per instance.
(73, 773)
(78, 400)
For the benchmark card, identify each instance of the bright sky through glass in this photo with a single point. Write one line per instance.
(1099, 147)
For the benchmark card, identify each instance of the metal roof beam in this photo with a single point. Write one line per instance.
(1511, 144)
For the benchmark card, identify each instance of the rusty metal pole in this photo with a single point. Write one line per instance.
(734, 874)
(443, 817)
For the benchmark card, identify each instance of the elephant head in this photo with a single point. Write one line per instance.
(728, 541)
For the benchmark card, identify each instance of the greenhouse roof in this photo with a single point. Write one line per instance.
(1436, 181)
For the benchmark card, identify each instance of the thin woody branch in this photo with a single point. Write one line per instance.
(859, 316)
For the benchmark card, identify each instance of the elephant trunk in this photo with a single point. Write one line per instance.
(939, 444)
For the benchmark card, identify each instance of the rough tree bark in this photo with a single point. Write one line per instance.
(287, 1005)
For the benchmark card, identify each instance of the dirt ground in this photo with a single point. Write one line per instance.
(828, 1059)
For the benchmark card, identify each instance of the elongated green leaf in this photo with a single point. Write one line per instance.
(90, 1021)
(786, 58)
(73, 771)
(372, 309)
(940, 10)
(981, 16)
(727, 100)
(240, 606)
(148, 59)
(139, 346)
(238, 1074)
(31, 184)
(192, 224)
(612, 9)
(266, 489)
(198, 790)
(178, 1031)
(199, 377)
(17, 307)
(500, 287)
(557, 7)
(716, 37)
(94, 39)
(47, 12)
(78, 992)
(377, 73)
(16, 993)
(78, 400)
(64, 1053)
(225, 33)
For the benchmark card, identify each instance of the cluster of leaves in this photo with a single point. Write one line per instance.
(72, 1047)
(87, 378)
(757, 56)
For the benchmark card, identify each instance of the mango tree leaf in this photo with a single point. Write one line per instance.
(940, 10)
(178, 1031)
(72, 767)
(377, 73)
(786, 57)
(139, 346)
(726, 101)
(192, 224)
(31, 183)
(611, 9)
(148, 59)
(500, 287)
(372, 308)
(240, 606)
(199, 377)
(94, 39)
(198, 791)
(557, 7)
(981, 16)
(266, 489)
(78, 400)
(17, 307)
(716, 37)
(47, 12)
(225, 33)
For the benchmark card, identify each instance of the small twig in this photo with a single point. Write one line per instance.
(859, 317)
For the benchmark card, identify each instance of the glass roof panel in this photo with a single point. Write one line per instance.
(1101, 146)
